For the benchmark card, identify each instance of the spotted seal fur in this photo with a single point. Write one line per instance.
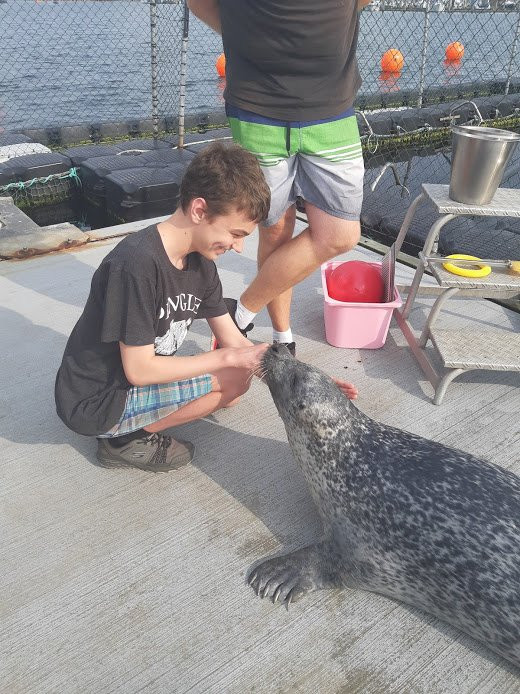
(409, 518)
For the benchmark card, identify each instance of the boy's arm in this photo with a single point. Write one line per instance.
(143, 367)
(227, 333)
(208, 12)
(362, 3)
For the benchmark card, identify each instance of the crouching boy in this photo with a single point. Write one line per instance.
(120, 379)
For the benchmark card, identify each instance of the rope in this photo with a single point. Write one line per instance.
(24, 185)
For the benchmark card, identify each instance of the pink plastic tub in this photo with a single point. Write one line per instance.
(356, 325)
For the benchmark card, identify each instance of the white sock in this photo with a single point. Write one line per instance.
(285, 336)
(243, 316)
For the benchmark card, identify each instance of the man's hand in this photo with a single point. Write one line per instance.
(362, 3)
(348, 389)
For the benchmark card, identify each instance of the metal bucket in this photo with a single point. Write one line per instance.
(479, 158)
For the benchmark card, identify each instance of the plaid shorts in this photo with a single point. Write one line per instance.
(148, 404)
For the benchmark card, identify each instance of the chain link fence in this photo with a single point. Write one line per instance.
(78, 70)
(77, 73)
(406, 133)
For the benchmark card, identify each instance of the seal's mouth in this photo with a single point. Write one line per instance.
(275, 356)
(277, 368)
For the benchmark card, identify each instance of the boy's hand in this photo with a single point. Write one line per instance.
(246, 357)
(348, 389)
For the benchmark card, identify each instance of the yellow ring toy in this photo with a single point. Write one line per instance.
(481, 271)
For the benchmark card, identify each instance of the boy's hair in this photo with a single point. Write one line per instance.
(228, 177)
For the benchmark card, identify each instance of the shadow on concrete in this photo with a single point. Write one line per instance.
(67, 282)
(258, 472)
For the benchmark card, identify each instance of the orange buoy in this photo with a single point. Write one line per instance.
(454, 51)
(221, 65)
(392, 60)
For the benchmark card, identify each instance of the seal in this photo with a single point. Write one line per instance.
(403, 516)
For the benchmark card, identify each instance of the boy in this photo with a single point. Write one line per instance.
(119, 379)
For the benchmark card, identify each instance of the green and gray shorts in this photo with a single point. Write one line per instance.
(319, 161)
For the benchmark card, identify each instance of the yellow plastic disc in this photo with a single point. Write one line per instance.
(482, 270)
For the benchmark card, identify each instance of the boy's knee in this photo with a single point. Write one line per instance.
(232, 403)
(236, 387)
(243, 382)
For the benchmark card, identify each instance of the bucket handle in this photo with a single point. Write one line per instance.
(479, 115)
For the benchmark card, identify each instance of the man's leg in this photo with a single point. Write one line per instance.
(267, 139)
(294, 260)
(332, 178)
(271, 238)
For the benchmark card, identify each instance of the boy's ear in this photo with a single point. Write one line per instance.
(198, 210)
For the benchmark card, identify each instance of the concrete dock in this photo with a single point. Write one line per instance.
(126, 581)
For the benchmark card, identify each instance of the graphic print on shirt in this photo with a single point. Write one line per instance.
(173, 339)
(170, 342)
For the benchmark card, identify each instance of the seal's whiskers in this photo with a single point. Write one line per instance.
(258, 372)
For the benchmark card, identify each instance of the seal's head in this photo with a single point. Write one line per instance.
(304, 396)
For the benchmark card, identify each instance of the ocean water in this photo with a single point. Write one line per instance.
(70, 62)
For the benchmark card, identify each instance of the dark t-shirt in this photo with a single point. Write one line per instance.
(137, 297)
(294, 60)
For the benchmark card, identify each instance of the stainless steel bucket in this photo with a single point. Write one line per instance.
(479, 158)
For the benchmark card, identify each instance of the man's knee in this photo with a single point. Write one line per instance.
(352, 236)
(343, 236)
(273, 236)
(281, 232)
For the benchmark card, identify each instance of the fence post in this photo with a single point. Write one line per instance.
(182, 86)
(426, 27)
(153, 63)
(513, 55)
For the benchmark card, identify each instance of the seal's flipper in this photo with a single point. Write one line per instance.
(285, 579)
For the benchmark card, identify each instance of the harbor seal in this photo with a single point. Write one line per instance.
(409, 518)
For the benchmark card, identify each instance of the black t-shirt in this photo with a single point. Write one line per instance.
(294, 60)
(137, 297)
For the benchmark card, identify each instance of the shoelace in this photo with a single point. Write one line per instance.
(163, 442)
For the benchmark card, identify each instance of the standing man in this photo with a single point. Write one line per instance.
(292, 78)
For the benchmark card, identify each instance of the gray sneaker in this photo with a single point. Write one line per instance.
(153, 452)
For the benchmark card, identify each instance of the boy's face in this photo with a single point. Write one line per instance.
(224, 233)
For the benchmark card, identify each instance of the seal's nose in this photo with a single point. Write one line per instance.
(280, 349)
